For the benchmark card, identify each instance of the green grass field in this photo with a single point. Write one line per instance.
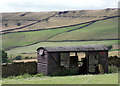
(26, 38)
(33, 48)
(76, 79)
(104, 29)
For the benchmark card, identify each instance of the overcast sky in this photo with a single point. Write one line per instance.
(54, 5)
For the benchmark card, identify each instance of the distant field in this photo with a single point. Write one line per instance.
(114, 53)
(104, 29)
(76, 79)
(30, 50)
(26, 38)
(20, 19)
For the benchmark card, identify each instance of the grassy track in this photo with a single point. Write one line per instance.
(78, 79)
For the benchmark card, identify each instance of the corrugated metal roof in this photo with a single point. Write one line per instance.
(74, 48)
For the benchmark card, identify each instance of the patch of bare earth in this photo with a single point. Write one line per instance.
(25, 60)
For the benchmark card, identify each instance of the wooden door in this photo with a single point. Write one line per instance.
(92, 62)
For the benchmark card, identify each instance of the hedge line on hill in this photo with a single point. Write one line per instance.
(20, 68)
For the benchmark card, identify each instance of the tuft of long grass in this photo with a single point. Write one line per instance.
(76, 79)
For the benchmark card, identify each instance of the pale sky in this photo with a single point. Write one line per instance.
(55, 5)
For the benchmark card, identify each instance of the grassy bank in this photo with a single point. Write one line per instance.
(77, 79)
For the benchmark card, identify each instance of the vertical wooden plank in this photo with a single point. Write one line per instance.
(53, 63)
(92, 59)
(42, 62)
(74, 62)
(65, 60)
(103, 60)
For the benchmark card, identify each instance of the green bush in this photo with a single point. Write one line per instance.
(112, 69)
(19, 57)
(27, 57)
(114, 64)
(39, 75)
(33, 57)
(65, 72)
(114, 61)
(19, 68)
(24, 76)
(4, 56)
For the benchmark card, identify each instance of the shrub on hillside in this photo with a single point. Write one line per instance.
(33, 57)
(27, 57)
(114, 61)
(18, 24)
(4, 56)
(19, 57)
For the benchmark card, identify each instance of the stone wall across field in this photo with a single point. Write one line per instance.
(20, 68)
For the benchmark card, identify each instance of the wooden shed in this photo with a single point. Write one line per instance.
(54, 59)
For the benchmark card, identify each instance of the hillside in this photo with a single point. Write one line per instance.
(100, 30)
(104, 29)
(25, 32)
(22, 21)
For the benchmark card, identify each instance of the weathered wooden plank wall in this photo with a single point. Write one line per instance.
(42, 62)
(53, 63)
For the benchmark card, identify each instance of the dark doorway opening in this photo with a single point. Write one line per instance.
(83, 62)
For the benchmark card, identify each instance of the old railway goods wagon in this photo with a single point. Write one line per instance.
(54, 59)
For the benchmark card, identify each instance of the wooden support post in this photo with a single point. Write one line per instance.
(101, 70)
(76, 54)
